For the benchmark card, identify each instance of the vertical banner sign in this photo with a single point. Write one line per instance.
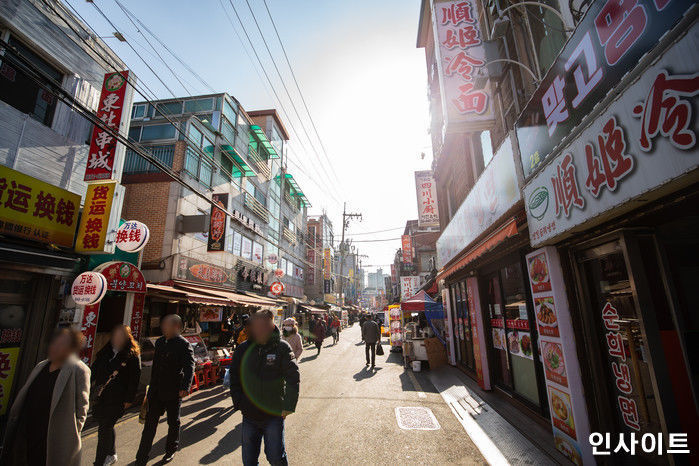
(311, 258)
(89, 329)
(103, 146)
(409, 286)
(607, 44)
(217, 226)
(461, 63)
(426, 189)
(139, 300)
(571, 428)
(407, 248)
(94, 223)
(394, 274)
(327, 264)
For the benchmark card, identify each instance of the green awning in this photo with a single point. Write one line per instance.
(264, 141)
(295, 189)
(240, 166)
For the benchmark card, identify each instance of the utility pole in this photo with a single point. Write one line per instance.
(346, 217)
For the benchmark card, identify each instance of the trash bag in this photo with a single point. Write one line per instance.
(227, 378)
(379, 349)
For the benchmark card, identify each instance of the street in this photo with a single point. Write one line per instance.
(346, 415)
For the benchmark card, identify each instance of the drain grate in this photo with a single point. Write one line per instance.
(416, 418)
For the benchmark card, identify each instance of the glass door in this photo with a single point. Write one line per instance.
(465, 319)
(501, 360)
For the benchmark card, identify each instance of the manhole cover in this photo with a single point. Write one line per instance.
(416, 418)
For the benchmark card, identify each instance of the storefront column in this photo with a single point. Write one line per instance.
(480, 354)
(446, 301)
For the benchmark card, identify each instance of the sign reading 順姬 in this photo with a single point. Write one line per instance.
(426, 189)
(643, 140)
(102, 162)
(607, 44)
(461, 63)
(32, 209)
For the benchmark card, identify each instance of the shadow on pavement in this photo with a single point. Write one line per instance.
(308, 358)
(366, 373)
(228, 444)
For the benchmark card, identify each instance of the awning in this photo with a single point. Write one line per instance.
(233, 154)
(264, 141)
(294, 190)
(183, 295)
(508, 230)
(232, 297)
(313, 309)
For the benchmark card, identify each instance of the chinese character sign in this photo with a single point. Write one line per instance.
(607, 45)
(327, 264)
(406, 243)
(645, 139)
(103, 146)
(466, 95)
(217, 226)
(409, 286)
(132, 236)
(88, 288)
(32, 209)
(94, 223)
(89, 330)
(426, 189)
(8, 365)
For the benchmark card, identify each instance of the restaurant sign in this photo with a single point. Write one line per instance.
(426, 190)
(461, 60)
(103, 163)
(409, 286)
(217, 226)
(406, 243)
(644, 140)
(198, 271)
(495, 192)
(32, 209)
(607, 44)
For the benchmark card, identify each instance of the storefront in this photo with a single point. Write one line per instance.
(615, 206)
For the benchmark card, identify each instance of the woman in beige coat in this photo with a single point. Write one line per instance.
(48, 414)
(290, 332)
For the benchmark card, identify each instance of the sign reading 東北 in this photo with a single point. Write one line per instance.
(461, 63)
(102, 163)
(495, 192)
(607, 44)
(426, 189)
(95, 222)
(217, 226)
(32, 209)
(645, 139)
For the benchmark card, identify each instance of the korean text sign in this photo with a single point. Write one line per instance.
(35, 210)
(642, 141)
(607, 44)
(103, 146)
(94, 223)
(461, 61)
(426, 190)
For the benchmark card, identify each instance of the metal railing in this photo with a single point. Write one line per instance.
(289, 235)
(256, 207)
(134, 163)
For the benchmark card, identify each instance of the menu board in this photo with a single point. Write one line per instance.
(558, 355)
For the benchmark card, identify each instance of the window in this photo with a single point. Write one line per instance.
(246, 248)
(290, 268)
(139, 111)
(228, 131)
(135, 133)
(282, 264)
(199, 105)
(237, 247)
(229, 112)
(169, 108)
(152, 132)
(257, 253)
(21, 92)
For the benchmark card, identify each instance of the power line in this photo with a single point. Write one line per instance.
(293, 75)
(377, 231)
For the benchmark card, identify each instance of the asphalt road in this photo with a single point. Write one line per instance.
(345, 415)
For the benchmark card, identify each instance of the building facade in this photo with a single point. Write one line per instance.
(320, 281)
(558, 259)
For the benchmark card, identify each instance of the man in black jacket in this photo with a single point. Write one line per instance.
(171, 378)
(265, 388)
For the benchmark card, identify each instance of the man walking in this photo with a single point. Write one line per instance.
(319, 331)
(370, 335)
(265, 388)
(171, 378)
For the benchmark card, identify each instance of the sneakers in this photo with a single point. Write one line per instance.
(111, 459)
(168, 457)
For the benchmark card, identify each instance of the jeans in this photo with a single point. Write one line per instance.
(156, 408)
(273, 432)
(367, 348)
(107, 417)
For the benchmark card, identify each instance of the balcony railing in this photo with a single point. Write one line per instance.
(259, 162)
(136, 164)
(291, 201)
(256, 207)
(289, 235)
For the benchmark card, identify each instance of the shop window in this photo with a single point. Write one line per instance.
(20, 91)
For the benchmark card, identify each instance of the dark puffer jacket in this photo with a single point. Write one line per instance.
(264, 378)
(122, 388)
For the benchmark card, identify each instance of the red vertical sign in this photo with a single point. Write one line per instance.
(407, 247)
(89, 328)
(137, 315)
(100, 163)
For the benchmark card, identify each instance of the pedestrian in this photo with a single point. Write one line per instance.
(362, 319)
(265, 388)
(290, 331)
(243, 331)
(370, 335)
(319, 331)
(335, 329)
(171, 378)
(115, 376)
(44, 424)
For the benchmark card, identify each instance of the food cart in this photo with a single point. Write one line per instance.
(422, 321)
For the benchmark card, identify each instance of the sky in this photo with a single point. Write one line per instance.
(362, 77)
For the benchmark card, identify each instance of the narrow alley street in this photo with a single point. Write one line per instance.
(346, 414)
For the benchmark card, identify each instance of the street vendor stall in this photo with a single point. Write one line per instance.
(421, 321)
(305, 314)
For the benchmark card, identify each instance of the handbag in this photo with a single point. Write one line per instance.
(379, 349)
(144, 408)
